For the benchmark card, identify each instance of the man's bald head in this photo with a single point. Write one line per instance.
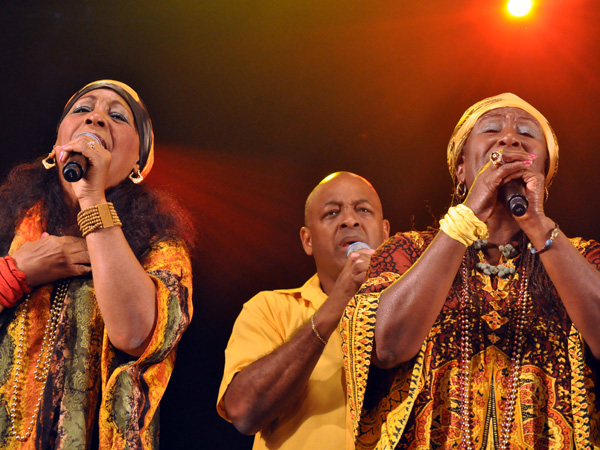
(334, 177)
(342, 209)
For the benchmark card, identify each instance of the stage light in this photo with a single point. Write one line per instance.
(519, 8)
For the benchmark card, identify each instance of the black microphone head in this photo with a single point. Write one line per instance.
(514, 195)
(72, 171)
(517, 205)
(355, 246)
(75, 167)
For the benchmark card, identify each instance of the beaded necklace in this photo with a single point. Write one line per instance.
(505, 268)
(466, 353)
(42, 367)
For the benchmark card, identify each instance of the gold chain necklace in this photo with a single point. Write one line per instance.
(42, 367)
(466, 353)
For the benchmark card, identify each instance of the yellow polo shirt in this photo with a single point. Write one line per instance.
(267, 320)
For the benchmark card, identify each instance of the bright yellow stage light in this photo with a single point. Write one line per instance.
(519, 7)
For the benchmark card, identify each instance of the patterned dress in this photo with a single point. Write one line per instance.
(416, 405)
(92, 388)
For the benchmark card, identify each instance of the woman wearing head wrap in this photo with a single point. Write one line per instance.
(482, 334)
(95, 284)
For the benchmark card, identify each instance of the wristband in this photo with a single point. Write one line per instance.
(462, 225)
(96, 217)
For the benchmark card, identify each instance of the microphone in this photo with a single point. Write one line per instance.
(77, 164)
(75, 167)
(513, 194)
(355, 247)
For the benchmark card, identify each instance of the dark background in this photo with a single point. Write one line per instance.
(253, 102)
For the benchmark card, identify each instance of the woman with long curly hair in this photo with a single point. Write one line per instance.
(95, 283)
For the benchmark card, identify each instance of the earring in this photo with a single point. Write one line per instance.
(461, 191)
(546, 194)
(136, 176)
(49, 161)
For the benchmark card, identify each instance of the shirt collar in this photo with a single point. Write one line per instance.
(311, 291)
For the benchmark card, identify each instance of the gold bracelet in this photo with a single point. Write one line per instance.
(312, 322)
(96, 217)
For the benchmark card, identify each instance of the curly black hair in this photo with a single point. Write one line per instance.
(147, 213)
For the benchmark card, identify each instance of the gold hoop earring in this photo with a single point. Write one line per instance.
(461, 191)
(136, 176)
(546, 194)
(49, 161)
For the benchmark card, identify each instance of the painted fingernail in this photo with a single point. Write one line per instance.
(62, 156)
(527, 162)
(532, 155)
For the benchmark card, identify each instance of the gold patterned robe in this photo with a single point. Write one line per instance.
(87, 373)
(415, 406)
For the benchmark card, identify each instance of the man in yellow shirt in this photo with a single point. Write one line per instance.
(284, 377)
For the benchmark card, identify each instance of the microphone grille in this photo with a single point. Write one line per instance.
(355, 247)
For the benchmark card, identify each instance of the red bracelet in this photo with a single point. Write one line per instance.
(12, 283)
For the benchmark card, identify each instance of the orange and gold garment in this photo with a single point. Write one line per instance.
(416, 405)
(87, 374)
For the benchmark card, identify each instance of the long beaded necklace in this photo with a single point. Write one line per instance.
(466, 353)
(42, 367)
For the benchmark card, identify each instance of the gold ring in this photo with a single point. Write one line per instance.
(496, 158)
(91, 145)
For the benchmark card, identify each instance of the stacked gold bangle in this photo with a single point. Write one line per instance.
(97, 217)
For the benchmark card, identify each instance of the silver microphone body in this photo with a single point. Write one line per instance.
(355, 246)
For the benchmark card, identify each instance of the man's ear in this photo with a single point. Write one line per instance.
(306, 238)
(386, 228)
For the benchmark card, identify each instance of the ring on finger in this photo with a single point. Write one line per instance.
(496, 158)
(91, 144)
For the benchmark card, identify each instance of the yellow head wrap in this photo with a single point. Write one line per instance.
(471, 115)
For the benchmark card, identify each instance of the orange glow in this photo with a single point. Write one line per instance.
(519, 8)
